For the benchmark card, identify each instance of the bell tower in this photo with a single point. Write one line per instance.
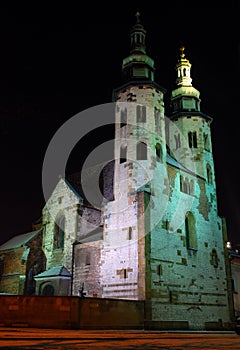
(140, 125)
(191, 126)
(140, 158)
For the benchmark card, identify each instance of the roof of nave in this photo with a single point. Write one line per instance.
(172, 161)
(19, 240)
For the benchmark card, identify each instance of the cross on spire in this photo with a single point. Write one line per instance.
(182, 48)
(138, 16)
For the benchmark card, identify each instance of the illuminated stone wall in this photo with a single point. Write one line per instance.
(63, 201)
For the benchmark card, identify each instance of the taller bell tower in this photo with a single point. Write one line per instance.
(140, 125)
(140, 154)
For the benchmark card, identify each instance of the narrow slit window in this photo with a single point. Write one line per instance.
(129, 233)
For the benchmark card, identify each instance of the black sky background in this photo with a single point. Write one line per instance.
(57, 60)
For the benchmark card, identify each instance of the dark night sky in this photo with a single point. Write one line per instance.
(57, 60)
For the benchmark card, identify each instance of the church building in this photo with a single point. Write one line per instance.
(157, 236)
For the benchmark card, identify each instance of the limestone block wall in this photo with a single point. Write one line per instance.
(65, 202)
(87, 266)
(119, 259)
(187, 285)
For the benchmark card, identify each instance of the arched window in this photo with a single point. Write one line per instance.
(192, 139)
(206, 142)
(141, 151)
(141, 114)
(190, 231)
(123, 154)
(47, 290)
(59, 228)
(209, 174)
(158, 152)
(184, 72)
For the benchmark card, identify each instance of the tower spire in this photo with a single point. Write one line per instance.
(138, 36)
(183, 68)
(185, 99)
(138, 66)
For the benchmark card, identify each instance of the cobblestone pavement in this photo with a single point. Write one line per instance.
(56, 339)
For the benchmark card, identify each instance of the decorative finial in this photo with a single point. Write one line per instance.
(182, 48)
(138, 16)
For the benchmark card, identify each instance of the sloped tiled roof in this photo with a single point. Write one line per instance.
(19, 240)
(60, 271)
(176, 164)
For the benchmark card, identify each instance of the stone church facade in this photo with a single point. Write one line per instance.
(158, 236)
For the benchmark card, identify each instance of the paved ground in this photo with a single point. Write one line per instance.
(56, 339)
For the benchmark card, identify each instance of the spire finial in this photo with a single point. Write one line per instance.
(182, 48)
(138, 16)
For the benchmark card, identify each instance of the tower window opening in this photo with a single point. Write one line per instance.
(157, 120)
(125, 273)
(206, 142)
(141, 151)
(123, 117)
(192, 139)
(184, 72)
(158, 152)
(123, 154)
(141, 114)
